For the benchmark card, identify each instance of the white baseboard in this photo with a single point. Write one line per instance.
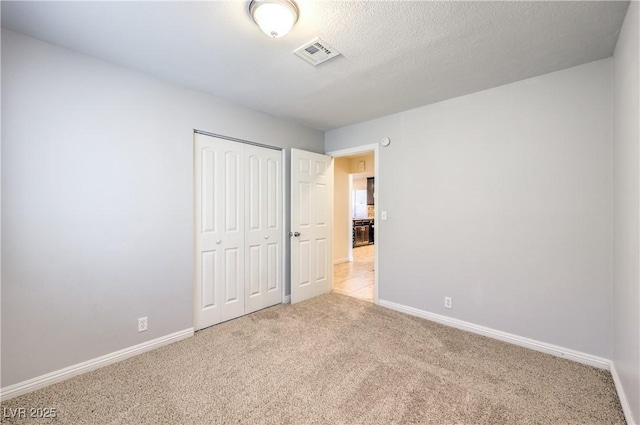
(544, 347)
(287, 299)
(343, 260)
(33, 384)
(624, 401)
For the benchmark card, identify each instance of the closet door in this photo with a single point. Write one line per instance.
(264, 234)
(219, 264)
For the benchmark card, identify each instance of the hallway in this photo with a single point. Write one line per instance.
(355, 279)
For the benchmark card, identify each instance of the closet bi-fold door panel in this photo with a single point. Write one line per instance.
(263, 224)
(239, 234)
(220, 237)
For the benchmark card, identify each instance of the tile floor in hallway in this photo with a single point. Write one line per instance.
(355, 278)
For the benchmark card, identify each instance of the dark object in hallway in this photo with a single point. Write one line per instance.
(371, 197)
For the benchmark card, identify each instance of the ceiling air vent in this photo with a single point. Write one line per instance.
(316, 52)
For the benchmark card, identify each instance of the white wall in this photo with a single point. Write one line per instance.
(97, 208)
(502, 200)
(626, 217)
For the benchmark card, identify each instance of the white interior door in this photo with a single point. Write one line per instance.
(219, 263)
(264, 233)
(311, 217)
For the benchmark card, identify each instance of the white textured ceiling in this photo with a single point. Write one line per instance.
(397, 55)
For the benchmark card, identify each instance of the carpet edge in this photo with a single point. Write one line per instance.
(60, 375)
(624, 401)
(544, 347)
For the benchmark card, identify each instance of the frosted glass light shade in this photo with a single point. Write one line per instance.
(274, 17)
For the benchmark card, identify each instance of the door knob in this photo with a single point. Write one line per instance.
(218, 242)
(296, 234)
(266, 237)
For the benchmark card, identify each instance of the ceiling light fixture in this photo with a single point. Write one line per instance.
(274, 17)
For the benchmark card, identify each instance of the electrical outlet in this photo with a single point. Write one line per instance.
(448, 302)
(142, 324)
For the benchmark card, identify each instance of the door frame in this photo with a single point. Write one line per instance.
(375, 147)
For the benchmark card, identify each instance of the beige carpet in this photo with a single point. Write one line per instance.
(333, 360)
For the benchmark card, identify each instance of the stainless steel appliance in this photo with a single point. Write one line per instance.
(361, 232)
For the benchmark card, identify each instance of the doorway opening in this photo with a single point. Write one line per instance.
(354, 223)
